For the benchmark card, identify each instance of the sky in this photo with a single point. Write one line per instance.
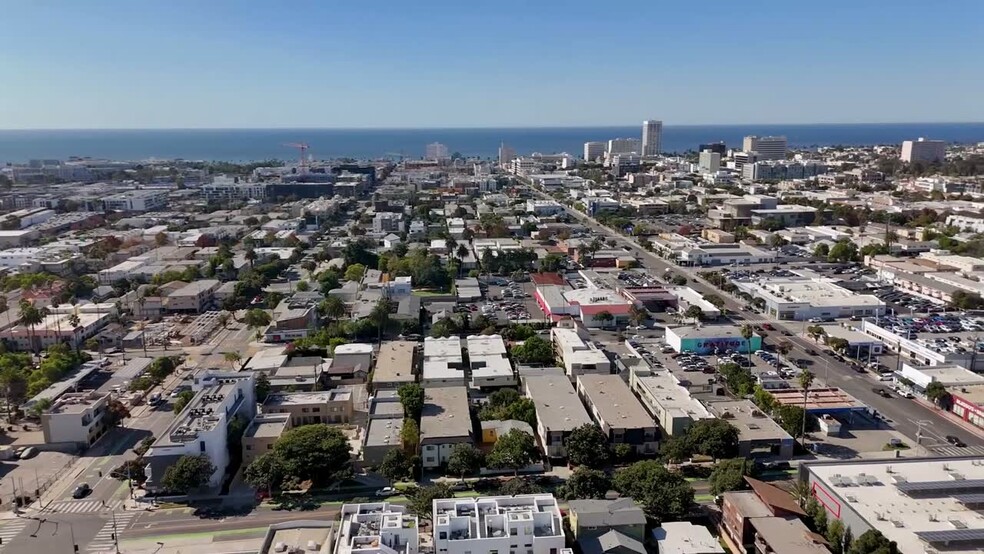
(403, 64)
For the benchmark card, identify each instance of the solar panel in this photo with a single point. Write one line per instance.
(952, 535)
(976, 498)
(942, 487)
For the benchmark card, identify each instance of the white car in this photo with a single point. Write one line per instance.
(386, 491)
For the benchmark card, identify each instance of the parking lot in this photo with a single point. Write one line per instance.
(509, 300)
(902, 302)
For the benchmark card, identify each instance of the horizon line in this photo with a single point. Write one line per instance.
(466, 128)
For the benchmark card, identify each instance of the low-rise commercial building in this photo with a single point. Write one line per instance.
(308, 408)
(709, 339)
(758, 435)
(76, 418)
(801, 298)
(444, 422)
(558, 410)
(194, 297)
(523, 523)
(616, 410)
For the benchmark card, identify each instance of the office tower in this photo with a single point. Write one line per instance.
(506, 153)
(768, 148)
(922, 150)
(719, 147)
(437, 151)
(742, 158)
(652, 137)
(593, 150)
(624, 146)
(710, 161)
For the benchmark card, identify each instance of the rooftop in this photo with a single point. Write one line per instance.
(557, 406)
(751, 423)
(77, 403)
(683, 537)
(485, 345)
(267, 425)
(445, 414)
(612, 399)
(299, 398)
(818, 399)
(394, 363)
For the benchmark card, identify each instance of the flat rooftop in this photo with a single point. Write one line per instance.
(819, 399)
(751, 423)
(485, 345)
(919, 503)
(706, 332)
(76, 403)
(612, 399)
(384, 431)
(445, 415)
(267, 425)
(446, 348)
(672, 397)
(557, 406)
(816, 292)
(300, 398)
(394, 364)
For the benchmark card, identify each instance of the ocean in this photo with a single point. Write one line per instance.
(238, 145)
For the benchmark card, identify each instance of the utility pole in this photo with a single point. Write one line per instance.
(919, 431)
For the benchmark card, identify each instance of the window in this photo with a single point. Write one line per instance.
(304, 410)
(444, 535)
(201, 446)
(315, 410)
(513, 532)
(249, 447)
(429, 459)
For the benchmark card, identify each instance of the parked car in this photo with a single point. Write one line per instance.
(386, 491)
(28, 452)
(955, 441)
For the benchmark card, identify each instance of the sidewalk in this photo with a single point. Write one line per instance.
(953, 418)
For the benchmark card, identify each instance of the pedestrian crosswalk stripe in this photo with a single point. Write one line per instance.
(83, 506)
(104, 538)
(959, 451)
(10, 530)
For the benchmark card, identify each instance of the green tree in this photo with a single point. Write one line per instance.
(187, 474)
(256, 318)
(514, 450)
(605, 317)
(116, 412)
(805, 380)
(184, 397)
(519, 485)
(332, 308)
(395, 466)
(694, 313)
(410, 436)
(261, 387)
(790, 418)
(586, 483)
(729, 475)
(713, 437)
(873, 542)
(835, 536)
(464, 459)
(534, 350)
(420, 500)
(551, 263)
(747, 332)
(320, 453)
(663, 495)
(355, 272)
(821, 250)
(937, 394)
(412, 399)
(265, 472)
(638, 315)
(232, 358)
(587, 446)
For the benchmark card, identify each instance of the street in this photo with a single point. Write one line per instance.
(907, 416)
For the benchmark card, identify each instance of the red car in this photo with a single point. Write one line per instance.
(768, 326)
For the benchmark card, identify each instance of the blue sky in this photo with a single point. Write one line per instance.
(247, 63)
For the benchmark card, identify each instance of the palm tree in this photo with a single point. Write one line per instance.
(747, 332)
(805, 381)
(784, 348)
(380, 315)
(332, 308)
(4, 307)
(250, 256)
(74, 321)
(462, 251)
(30, 316)
(232, 357)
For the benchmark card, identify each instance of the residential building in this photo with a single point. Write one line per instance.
(437, 151)
(758, 435)
(543, 207)
(684, 537)
(489, 365)
(194, 297)
(923, 151)
(395, 364)
(490, 524)
(202, 427)
(225, 189)
(579, 356)
(298, 535)
(77, 418)
(444, 362)
(719, 148)
(624, 146)
(57, 328)
(292, 320)
(767, 148)
(669, 403)
(444, 423)
(388, 222)
(709, 161)
(594, 150)
(617, 411)
(921, 504)
(376, 528)
(314, 407)
(611, 542)
(652, 137)
(766, 519)
(355, 355)
(558, 410)
(143, 200)
(592, 518)
(262, 434)
(384, 427)
(506, 154)
(492, 429)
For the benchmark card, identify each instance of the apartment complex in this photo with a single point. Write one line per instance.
(923, 151)
(767, 148)
(530, 524)
(76, 418)
(261, 434)
(144, 200)
(558, 410)
(376, 528)
(395, 364)
(307, 408)
(652, 137)
(577, 354)
(444, 422)
(616, 410)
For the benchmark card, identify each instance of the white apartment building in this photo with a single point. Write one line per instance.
(506, 154)
(577, 354)
(594, 150)
(543, 207)
(77, 418)
(227, 189)
(652, 137)
(444, 362)
(709, 161)
(668, 402)
(437, 151)
(22, 219)
(971, 223)
(489, 363)
(388, 222)
(524, 524)
(923, 150)
(624, 146)
(767, 148)
(376, 528)
(202, 427)
(143, 200)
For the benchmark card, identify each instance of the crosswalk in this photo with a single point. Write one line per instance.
(83, 506)
(10, 528)
(958, 450)
(104, 541)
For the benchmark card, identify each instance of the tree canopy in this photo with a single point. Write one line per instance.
(588, 446)
(729, 475)
(514, 450)
(412, 399)
(188, 473)
(533, 350)
(663, 495)
(586, 483)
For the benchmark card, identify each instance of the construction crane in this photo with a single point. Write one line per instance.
(303, 148)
